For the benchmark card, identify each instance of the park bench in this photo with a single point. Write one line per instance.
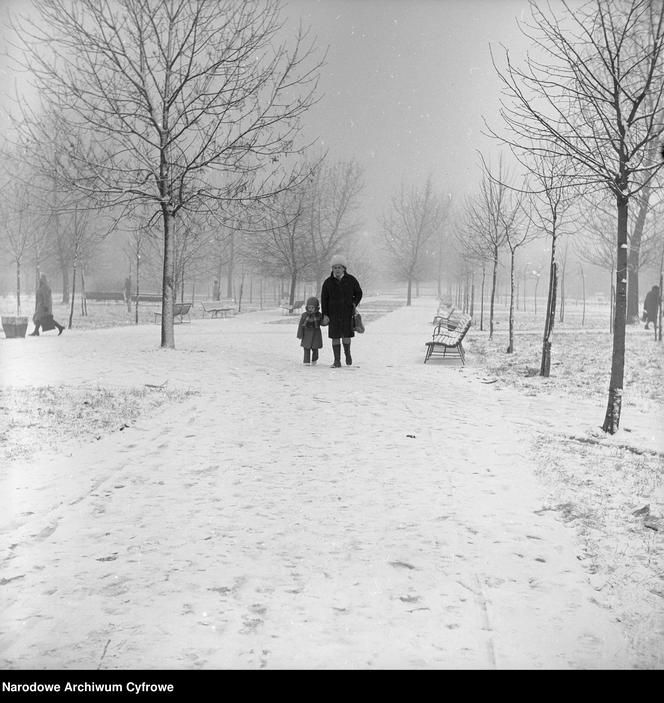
(179, 310)
(448, 336)
(104, 296)
(218, 308)
(147, 298)
(297, 305)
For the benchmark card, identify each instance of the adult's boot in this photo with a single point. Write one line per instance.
(349, 360)
(336, 348)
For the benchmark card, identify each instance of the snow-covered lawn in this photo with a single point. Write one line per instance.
(222, 505)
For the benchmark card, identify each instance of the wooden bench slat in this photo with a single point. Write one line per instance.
(217, 308)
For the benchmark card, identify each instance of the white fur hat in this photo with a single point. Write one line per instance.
(338, 260)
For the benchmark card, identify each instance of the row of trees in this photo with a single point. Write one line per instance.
(583, 115)
(176, 122)
(160, 110)
(182, 117)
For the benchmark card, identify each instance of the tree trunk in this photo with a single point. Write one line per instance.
(550, 308)
(583, 292)
(138, 286)
(291, 292)
(482, 299)
(239, 297)
(73, 295)
(65, 282)
(168, 278)
(37, 271)
(439, 288)
(466, 293)
(634, 256)
(612, 417)
(84, 301)
(231, 264)
(510, 345)
(409, 290)
(18, 286)
(545, 367)
(525, 274)
(493, 293)
(659, 315)
(472, 294)
(562, 286)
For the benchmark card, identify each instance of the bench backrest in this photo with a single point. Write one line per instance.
(181, 308)
(100, 295)
(453, 329)
(148, 297)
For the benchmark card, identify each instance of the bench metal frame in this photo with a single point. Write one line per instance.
(217, 309)
(179, 310)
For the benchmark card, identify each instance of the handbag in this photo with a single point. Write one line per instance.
(358, 325)
(47, 323)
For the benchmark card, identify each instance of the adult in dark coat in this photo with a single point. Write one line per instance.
(43, 316)
(340, 294)
(650, 305)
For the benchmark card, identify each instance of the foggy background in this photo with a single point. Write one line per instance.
(403, 92)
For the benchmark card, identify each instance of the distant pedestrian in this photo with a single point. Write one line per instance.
(215, 290)
(43, 316)
(127, 292)
(340, 294)
(650, 305)
(308, 330)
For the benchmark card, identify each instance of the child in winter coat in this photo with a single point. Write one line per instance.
(308, 330)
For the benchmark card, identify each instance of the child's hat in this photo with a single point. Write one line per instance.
(313, 301)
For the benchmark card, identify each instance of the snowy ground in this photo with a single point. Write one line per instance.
(264, 514)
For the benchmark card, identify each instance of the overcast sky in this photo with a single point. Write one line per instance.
(405, 86)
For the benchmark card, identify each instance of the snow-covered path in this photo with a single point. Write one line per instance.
(382, 516)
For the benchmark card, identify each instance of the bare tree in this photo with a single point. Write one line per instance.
(597, 246)
(283, 239)
(18, 219)
(472, 248)
(517, 227)
(415, 217)
(136, 249)
(82, 235)
(642, 248)
(593, 94)
(483, 225)
(175, 103)
(335, 192)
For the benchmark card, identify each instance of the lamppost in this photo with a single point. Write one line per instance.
(536, 276)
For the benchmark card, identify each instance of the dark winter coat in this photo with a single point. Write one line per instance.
(650, 305)
(338, 300)
(308, 330)
(43, 304)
